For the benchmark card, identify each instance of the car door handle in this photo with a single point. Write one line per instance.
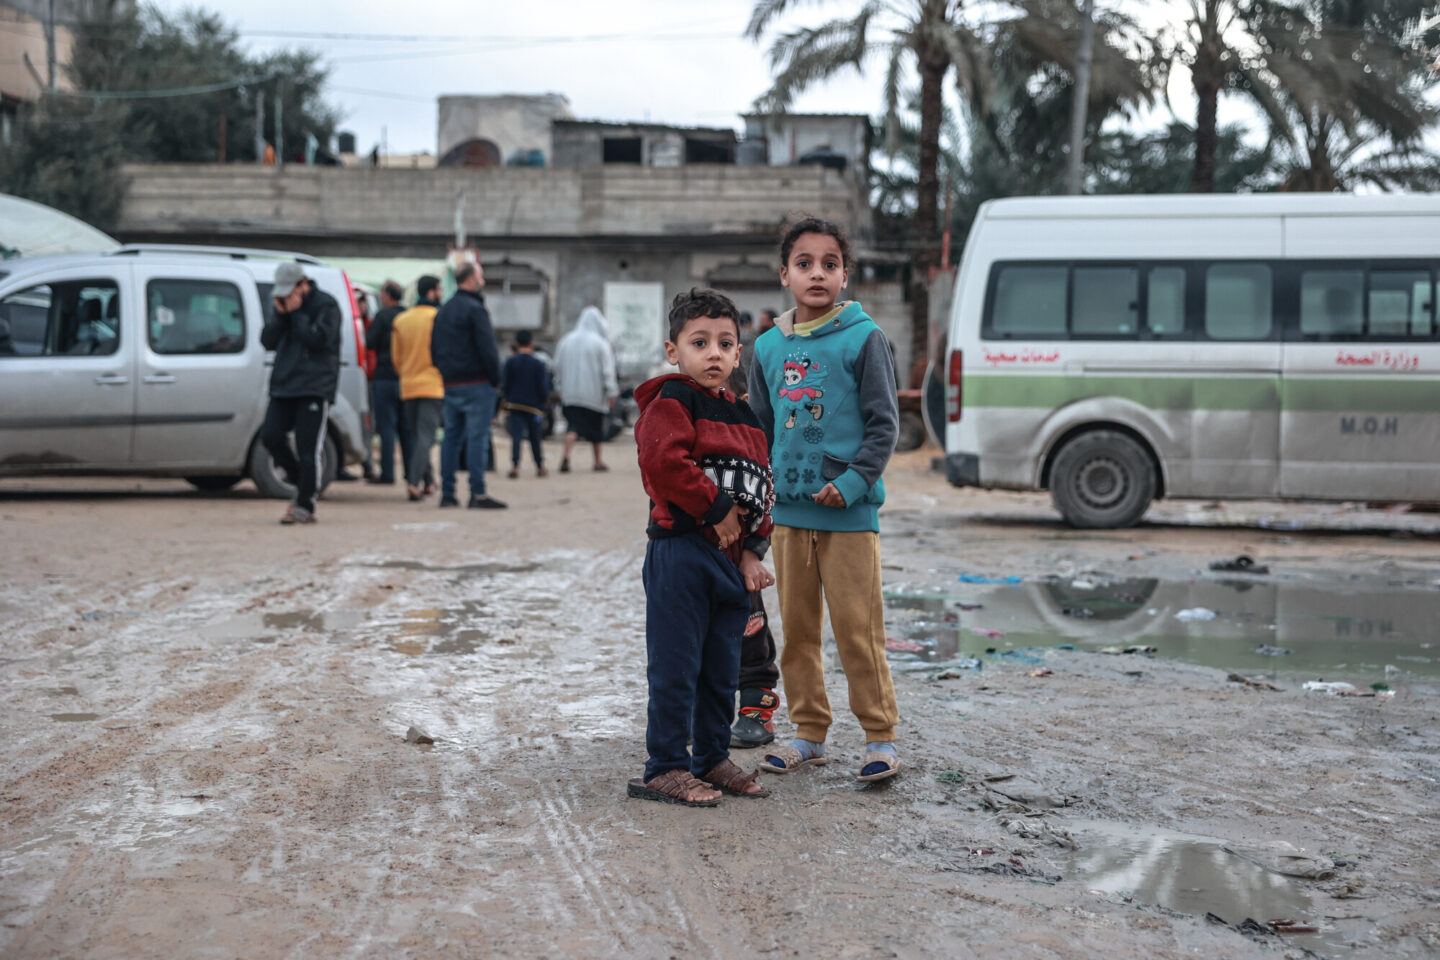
(159, 378)
(112, 380)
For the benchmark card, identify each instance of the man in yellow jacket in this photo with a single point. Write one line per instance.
(422, 391)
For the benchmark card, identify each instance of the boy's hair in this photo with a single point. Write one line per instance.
(802, 224)
(524, 338)
(700, 302)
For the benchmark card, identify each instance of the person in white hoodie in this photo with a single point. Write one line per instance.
(584, 373)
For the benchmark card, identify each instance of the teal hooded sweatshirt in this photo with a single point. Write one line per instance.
(828, 406)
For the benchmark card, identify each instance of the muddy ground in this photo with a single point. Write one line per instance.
(204, 748)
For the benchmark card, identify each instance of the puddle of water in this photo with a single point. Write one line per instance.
(1350, 631)
(74, 717)
(464, 569)
(441, 630)
(1186, 873)
(143, 816)
(263, 627)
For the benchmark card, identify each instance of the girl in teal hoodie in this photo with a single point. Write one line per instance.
(823, 385)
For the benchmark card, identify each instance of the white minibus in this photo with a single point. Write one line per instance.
(1118, 349)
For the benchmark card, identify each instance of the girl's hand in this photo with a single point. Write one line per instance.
(830, 496)
(754, 572)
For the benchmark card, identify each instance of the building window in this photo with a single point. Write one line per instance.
(622, 150)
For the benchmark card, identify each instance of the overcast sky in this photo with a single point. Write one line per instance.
(672, 61)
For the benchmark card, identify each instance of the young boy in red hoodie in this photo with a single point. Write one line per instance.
(704, 461)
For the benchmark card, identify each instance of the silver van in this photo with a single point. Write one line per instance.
(147, 361)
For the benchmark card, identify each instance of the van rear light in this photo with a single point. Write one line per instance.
(952, 395)
(362, 359)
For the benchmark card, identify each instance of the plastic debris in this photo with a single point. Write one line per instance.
(1144, 649)
(1082, 584)
(902, 646)
(980, 578)
(1241, 564)
(1333, 687)
(1080, 613)
(1292, 926)
(1266, 650)
(1284, 858)
(968, 607)
(1066, 646)
(1042, 672)
(953, 671)
(988, 633)
(1196, 613)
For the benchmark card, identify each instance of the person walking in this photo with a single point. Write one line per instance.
(585, 378)
(304, 331)
(422, 391)
(385, 406)
(463, 347)
(527, 389)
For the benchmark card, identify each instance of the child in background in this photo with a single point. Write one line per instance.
(526, 389)
(755, 726)
(823, 385)
(704, 464)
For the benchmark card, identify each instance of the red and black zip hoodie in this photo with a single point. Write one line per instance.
(700, 454)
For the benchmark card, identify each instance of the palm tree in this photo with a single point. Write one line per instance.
(1212, 64)
(935, 38)
(1344, 85)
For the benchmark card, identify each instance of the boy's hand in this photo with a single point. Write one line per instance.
(729, 529)
(830, 496)
(754, 572)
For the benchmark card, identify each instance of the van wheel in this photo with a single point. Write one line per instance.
(1102, 478)
(271, 482)
(912, 432)
(214, 481)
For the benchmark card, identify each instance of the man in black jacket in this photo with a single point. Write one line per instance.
(385, 385)
(304, 331)
(462, 347)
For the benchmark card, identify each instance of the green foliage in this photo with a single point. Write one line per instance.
(71, 146)
(1123, 161)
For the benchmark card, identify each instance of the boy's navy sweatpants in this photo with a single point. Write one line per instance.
(696, 606)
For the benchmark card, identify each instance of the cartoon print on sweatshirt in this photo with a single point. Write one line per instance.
(802, 386)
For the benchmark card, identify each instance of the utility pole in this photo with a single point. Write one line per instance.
(222, 133)
(1081, 101)
(50, 48)
(279, 122)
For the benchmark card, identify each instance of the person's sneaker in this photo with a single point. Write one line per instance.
(565, 466)
(295, 514)
(345, 476)
(542, 472)
(449, 502)
(514, 473)
(486, 503)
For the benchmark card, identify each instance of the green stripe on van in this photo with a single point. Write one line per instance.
(1206, 393)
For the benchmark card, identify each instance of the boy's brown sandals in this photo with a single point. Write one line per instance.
(734, 781)
(675, 786)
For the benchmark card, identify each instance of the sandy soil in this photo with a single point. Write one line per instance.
(204, 748)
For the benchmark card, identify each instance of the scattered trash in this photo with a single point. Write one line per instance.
(416, 735)
(1082, 584)
(1196, 613)
(969, 607)
(1334, 687)
(1110, 650)
(984, 632)
(903, 646)
(1145, 650)
(1284, 858)
(1080, 613)
(1253, 929)
(1257, 684)
(1292, 926)
(1041, 828)
(1134, 673)
(1266, 650)
(1043, 672)
(1241, 564)
(954, 671)
(1066, 646)
(979, 578)
(1136, 556)
(1021, 656)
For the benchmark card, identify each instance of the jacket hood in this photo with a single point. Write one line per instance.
(650, 389)
(593, 321)
(850, 314)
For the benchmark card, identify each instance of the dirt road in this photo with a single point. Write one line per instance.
(204, 746)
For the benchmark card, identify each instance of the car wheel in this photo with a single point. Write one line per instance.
(1102, 478)
(214, 481)
(912, 432)
(271, 482)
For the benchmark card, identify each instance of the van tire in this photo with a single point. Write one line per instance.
(1102, 478)
(268, 479)
(911, 435)
(214, 481)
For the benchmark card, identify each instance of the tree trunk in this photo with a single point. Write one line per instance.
(933, 66)
(1206, 75)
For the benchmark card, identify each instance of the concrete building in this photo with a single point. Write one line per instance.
(788, 138)
(486, 131)
(590, 143)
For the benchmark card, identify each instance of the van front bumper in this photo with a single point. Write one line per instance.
(962, 469)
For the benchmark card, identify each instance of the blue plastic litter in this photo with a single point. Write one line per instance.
(1066, 646)
(978, 578)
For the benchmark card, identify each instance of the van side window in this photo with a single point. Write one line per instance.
(194, 316)
(1106, 302)
(1332, 302)
(1029, 301)
(1238, 301)
(1401, 304)
(68, 318)
(1165, 301)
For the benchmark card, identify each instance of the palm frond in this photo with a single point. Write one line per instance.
(765, 12)
(807, 56)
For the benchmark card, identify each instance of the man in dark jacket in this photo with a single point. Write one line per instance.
(385, 385)
(304, 331)
(462, 347)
